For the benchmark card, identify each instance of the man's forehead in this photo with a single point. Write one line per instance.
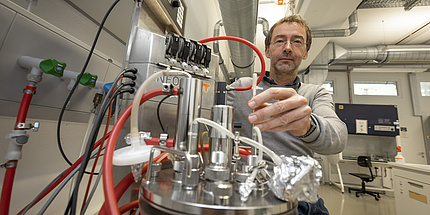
(290, 28)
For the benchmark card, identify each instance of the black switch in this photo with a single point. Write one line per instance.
(175, 3)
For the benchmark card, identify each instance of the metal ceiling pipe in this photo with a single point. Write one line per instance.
(265, 24)
(224, 70)
(217, 30)
(333, 54)
(407, 5)
(384, 54)
(239, 18)
(410, 4)
(353, 26)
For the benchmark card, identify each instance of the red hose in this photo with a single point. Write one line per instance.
(126, 182)
(25, 103)
(108, 186)
(10, 171)
(7, 188)
(129, 206)
(156, 141)
(64, 175)
(246, 42)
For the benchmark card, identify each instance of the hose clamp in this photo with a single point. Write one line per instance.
(9, 165)
(27, 91)
(27, 126)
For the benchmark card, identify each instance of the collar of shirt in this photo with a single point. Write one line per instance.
(296, 83)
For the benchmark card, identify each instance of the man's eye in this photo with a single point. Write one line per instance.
(298, 42)
(279, 41)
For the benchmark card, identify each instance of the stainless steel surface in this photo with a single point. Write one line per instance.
(188, 110)
(220, 147)
(148, 56)
(163, 196)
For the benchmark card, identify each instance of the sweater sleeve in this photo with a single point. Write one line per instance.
(331, 134)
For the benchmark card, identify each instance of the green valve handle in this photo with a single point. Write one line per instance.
(53, 67)
(88, 80)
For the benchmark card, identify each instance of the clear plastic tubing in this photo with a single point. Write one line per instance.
(276, 159)
(260, 141)
(134, 129)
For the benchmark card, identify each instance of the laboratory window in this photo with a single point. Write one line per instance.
(425, 88)
(329, 86)
(375, 88)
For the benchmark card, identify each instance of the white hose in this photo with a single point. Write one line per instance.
(216, 126)
(276, 159)
(260, 140)
(134, 126)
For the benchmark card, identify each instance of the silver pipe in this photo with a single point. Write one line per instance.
(353, 26)
(240, 20)
(188, 109)
(224, 70)
(161, 149)
(383, 54)
(223, 115)
(265, 24)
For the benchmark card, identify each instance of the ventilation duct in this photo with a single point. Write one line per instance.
(406, 4)
(381, 54)
(239, 18)
(333, 54)
(353, 26)
(217, 29)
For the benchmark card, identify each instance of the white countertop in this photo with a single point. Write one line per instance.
(410, 166)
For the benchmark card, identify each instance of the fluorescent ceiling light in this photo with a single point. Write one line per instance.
(383, 69)
(407, 48)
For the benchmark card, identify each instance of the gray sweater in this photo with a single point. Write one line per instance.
(329, 137)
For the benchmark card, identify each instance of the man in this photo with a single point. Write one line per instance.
(296, 118)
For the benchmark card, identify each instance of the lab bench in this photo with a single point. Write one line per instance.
(411, 188)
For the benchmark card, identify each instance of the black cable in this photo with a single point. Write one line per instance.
(93, 136)
(60, 118)
(90, 144)
(158, 113)
(84, 164)
(132, 84)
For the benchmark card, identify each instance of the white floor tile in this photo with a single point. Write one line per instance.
(339, 203)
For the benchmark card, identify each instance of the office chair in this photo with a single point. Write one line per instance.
(364, 161)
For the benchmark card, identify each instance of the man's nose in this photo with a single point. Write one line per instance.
(287, 47)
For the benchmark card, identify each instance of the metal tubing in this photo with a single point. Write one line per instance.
(188, 109)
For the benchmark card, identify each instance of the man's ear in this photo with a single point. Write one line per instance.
(305, 55)
(267, 52)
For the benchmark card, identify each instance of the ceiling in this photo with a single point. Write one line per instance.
(380, 22)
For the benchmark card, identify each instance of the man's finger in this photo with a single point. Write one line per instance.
(269, 94)
(287, 121)
(277, 108)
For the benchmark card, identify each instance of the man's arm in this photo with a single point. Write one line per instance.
(294, 113)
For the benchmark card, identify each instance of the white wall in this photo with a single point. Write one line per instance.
(55, 29)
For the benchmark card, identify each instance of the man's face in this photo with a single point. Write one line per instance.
(287, 48)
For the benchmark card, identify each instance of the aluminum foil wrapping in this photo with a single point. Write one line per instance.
(296, 179)
(246, 189)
